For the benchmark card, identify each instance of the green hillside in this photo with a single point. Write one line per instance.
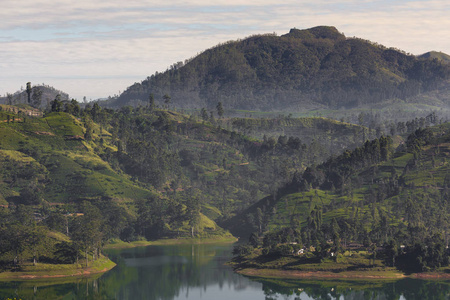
(146, 160)
(53, 150)
(316, 68)
(377, 196)
(330, 136)
(145, 173)
(445, 58)
(54, 163)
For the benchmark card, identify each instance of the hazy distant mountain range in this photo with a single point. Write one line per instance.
(303, 69)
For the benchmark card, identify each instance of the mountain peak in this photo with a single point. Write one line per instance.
(441, 56)
(319, 32)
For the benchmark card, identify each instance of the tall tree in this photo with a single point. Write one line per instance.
(56, 104)
(220, 110)
(193, 207)
(151, 102)
(10, 98)
(166, 99)
(86, 232)
(29, 91)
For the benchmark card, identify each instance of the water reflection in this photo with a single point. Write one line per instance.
(198, 272)
(348, 290)
(177, 272)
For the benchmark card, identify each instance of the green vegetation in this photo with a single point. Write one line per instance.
(42, 270)
(119, 244)
(151, 173)
(392, 204)
(436, 55)
(79, 178)
(60, 170)
(304, 70)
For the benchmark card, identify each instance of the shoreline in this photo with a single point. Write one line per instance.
(167, 242)
(345, 275)
(45, 271)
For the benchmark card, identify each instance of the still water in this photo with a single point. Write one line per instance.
(198, 272)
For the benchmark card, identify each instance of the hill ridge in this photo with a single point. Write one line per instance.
(303, 69)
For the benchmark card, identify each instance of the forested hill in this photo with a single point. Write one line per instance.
(313, 68)
(445, 58)
(376, 195)
(149, 170)
(150, 173)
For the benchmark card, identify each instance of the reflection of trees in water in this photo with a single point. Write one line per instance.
(81, 288)
(408, 288)
(168, 272)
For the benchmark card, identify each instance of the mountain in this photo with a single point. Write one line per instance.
(442, 57)
(41, 96)
(316, 68)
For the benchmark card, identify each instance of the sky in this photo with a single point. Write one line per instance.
(96, 49)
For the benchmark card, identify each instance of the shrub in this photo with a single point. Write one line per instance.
(242, 250)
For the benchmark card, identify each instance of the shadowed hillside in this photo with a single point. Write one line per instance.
(304, 69)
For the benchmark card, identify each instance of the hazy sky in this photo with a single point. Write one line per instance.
(99, 48)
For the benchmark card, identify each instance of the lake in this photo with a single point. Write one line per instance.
(198, 272)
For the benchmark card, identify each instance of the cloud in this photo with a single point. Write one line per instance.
(96, 48)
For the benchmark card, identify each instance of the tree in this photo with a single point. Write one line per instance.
(392, 251)
(10, 98)
(37, 95)
(193, 209)
(335, 235)
(31, 193)
(89, 125)
(86, 231)
(166, 99)
(29, 90)
(37, 241)
(75, 107)
(151, 102)
(95, 112)
(259, 219)
(254, 240)
(220, 110)
(204, 114)
(56, 104)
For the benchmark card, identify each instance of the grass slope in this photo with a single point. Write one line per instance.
(41, 271)
(51, 154)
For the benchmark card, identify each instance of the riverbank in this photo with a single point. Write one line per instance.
(323, 275)
(41, 271)
(354, 267)
(118, 244)
(344, 275)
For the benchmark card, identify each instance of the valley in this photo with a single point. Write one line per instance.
(309, 140)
